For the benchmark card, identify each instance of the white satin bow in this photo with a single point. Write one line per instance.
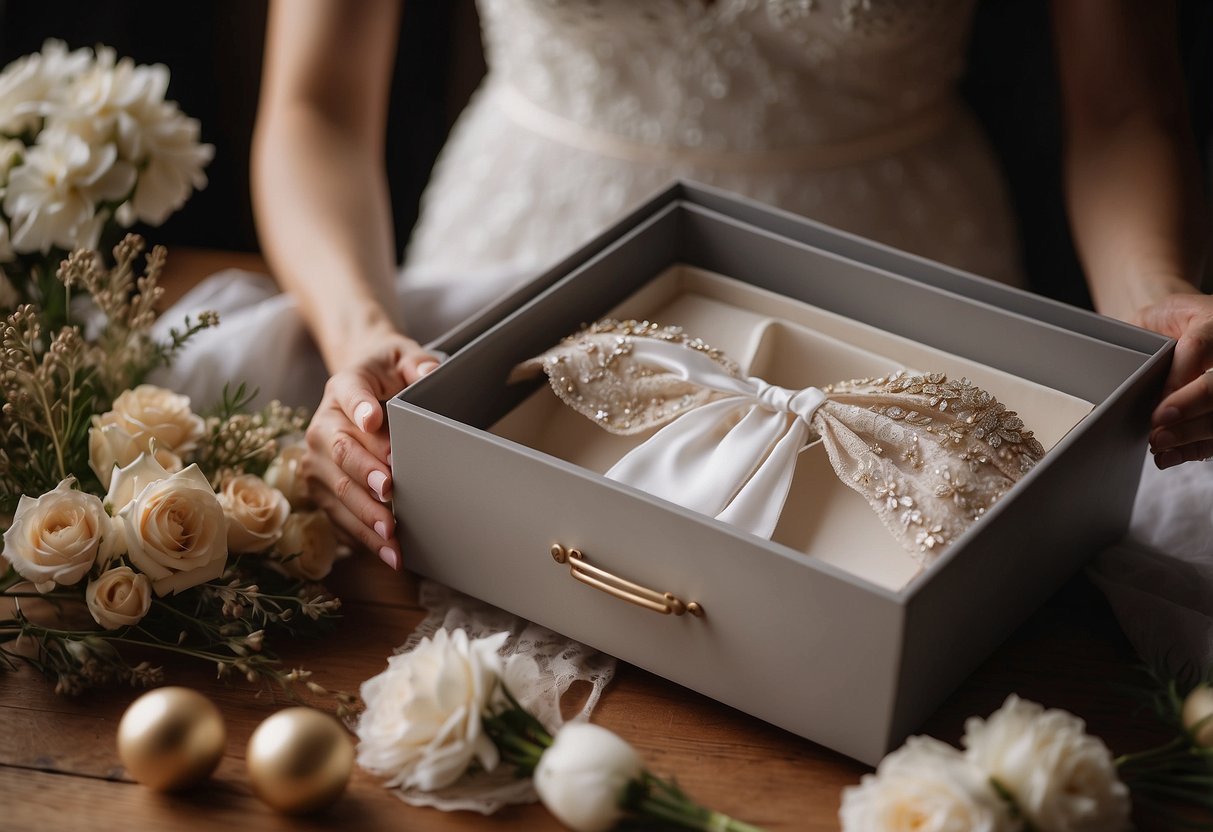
(929, 454)
(742, 477)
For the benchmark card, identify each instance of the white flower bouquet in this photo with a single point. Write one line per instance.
(147, 527)
(88, 143)
(445, 709)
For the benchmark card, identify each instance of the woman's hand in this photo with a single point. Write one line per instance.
(1182, 424)
(348, 464)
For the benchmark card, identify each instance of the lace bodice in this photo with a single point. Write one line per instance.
(840, 110)
(731, 74)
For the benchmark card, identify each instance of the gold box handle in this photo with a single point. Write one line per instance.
(662, 602)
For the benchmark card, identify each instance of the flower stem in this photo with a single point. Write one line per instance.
(657, 799)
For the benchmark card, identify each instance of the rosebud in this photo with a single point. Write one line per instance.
(582, 778)
(1198, 715)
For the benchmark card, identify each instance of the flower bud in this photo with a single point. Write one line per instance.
(581, 779)
(1198, 715)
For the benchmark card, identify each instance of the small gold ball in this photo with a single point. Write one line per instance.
(170, 738)
(299, 760)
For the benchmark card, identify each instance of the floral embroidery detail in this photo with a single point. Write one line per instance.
(930, 454)
(930, 537)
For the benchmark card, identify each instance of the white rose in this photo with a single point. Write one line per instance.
(308, 545)
(148, 412)
(255, 514)
(126, 482)
(925, 784)
(286, 474)
(56, 539)
(582, 777)
(174, 530)
(422, 724)
(119, 598)
(1063, 779)
(110, 446)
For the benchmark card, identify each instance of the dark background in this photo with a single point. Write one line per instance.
(214, 52)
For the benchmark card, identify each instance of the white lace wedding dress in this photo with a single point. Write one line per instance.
(841, 110)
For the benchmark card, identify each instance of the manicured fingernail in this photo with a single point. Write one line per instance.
(1162, 440)
(381, 529)
(427, 367)
(362, 415)
(377, 480)
(1167, 416)
(1168, 459)
(389, 556)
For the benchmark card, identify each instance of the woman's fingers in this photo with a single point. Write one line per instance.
(352, 507)
(1183, 424)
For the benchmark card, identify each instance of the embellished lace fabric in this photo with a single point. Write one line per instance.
(929, 453)
(561, 662)
(815, 106)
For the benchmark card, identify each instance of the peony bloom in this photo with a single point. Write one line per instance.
(582, 777)
(52, 195)
(925, 785)
(173, 171)
(55, 539)
(308, 545)
(30, 85)
(422, 724)
(106, 102)
(1062, 778)
(173, 526)
(119, 598)
(255, 514)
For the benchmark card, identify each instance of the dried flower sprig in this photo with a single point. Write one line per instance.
(52, 381)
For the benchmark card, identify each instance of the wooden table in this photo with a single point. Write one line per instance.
(59, 769)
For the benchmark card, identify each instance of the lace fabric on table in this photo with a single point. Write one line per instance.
(929, 453)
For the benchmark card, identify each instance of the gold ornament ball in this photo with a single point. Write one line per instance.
(299, 760)
(170, 738)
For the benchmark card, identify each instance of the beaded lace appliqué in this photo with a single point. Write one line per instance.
(929, 453)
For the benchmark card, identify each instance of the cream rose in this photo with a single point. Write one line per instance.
(1061, 778)
(422, 724)
(255, 514)
(55, 539)
(584, 774)
(308, 545)
(148, 412)
(926, 784)
(174, 529)
(119, 598)
(129, 480)
(110, 446)
(286, 474)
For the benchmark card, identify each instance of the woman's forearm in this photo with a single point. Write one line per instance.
(319, 189)
(1132, 178)
(1136, 211)
(325, 226)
